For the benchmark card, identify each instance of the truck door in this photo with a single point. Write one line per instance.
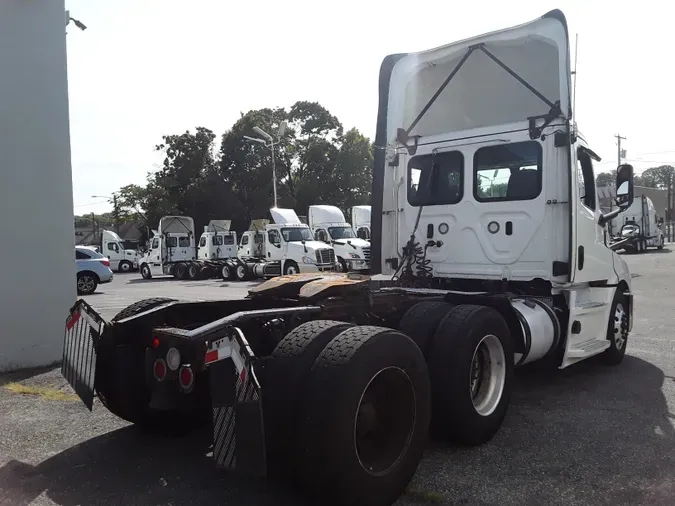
(113, 254)
(155, 254)
(646, 226)
(273, 245)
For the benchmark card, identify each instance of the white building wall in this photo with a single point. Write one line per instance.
(37, 266)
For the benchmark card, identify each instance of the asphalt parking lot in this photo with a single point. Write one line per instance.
(588, 435)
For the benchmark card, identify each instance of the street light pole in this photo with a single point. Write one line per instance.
(280, 133)
(116, 214)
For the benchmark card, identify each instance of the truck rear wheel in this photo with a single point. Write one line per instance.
(298, 351)
(368, 408)
(193, 271)
(471, 366)
(181, 271)
(140, 306)
(420, 322)
(241, 272)
(226, 272)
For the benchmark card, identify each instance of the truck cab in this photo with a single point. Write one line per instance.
(638, 227)
(328, 226)
(121, 259)
(217, 242)
(361, 221)
(287, 241)
(173, 243)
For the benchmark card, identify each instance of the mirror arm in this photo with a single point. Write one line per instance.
(604, 218)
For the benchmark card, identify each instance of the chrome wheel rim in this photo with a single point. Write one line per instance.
(487, 375)
(86, 284)
(620, 327)
(125, 267)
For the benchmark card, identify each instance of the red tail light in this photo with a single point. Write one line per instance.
(159, 369)
(106, 262)
(186, 378)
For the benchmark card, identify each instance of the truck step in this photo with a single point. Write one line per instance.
(590, 306)
(588, 348)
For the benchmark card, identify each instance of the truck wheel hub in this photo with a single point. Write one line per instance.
(487, 375)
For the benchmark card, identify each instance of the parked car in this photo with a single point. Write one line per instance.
(93, 269)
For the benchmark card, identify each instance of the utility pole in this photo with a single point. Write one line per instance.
(619, 155)
(116, 214)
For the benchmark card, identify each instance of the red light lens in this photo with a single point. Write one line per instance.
(106, 262)
(155, 342)
(186, 377)
(160, 369)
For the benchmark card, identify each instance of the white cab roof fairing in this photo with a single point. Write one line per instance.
(176, 225)
(109, 235)
(360, 216)
(481, 93)
(283, 216)
(258, 225)
(321, 214)
(219, 225)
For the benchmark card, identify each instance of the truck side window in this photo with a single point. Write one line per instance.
(273, 236)
(446, 183)
(258, 238)
(585, 166)
(321, 235)
(113, 247)
(228, 240)
(506, 172)
(362, 233)
(202, 242)
(184, 242)
(155, 243)
(171, 242)
(217, 240)
(244, 240)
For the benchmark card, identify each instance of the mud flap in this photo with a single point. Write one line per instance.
(83, 330)
(238, 430)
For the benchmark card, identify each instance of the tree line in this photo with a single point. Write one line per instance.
(317, 162)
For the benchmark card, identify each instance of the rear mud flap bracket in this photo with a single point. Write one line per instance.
(238, 430)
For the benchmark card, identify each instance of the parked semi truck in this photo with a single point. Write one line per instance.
(361, 221)
(173, 252)
(121, 259)
(285, 246)
(328, 225)
(334, 379)
(637, 228)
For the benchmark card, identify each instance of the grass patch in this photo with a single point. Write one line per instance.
(427, 496)
(50, 394)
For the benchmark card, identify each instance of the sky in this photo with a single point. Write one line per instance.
(147, 68)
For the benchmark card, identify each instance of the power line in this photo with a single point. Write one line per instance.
(91, 204)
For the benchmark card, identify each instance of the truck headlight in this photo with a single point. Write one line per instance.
(354, 255)
(307, 260)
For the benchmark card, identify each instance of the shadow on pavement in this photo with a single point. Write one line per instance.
(127, 467)
(586, 435)
(24, 374)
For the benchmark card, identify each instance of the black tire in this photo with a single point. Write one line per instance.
(226, 272)
(461, 339)
(180, 271)
(297, 351)
(661, 244)
(290, 265)
(193, 271)
(124, 266)
(420, 322)
(343, 265)
(241, 272)
(145, 271)
(356, 361)
(140, 306)
(617, 330)
(87, 282)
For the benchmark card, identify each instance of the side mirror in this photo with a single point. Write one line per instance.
(624, 186)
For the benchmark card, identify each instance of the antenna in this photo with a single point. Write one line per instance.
(574, 73)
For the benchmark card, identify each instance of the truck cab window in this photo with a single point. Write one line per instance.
(155, 243)
(112, 246)
(362, 233)
(441, 186)
(228, 240)
(171, 242)
(273, 236)
(321, 235)
(184, 242)
(587, 179)
(244, 240)
(506, 172)
(202, 242)
(217, 240)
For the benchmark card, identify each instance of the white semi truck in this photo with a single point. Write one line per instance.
(121, 259)
(173, 252)
(328, 226)
(361, 221)
(637, 228)
(491, 257)
(283, 247)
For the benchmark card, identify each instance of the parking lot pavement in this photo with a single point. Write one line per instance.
(587, 435)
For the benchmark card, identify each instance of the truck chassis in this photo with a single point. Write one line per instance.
(313, 365)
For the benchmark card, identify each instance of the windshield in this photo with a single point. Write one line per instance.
(296, 234)
(341, 233)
